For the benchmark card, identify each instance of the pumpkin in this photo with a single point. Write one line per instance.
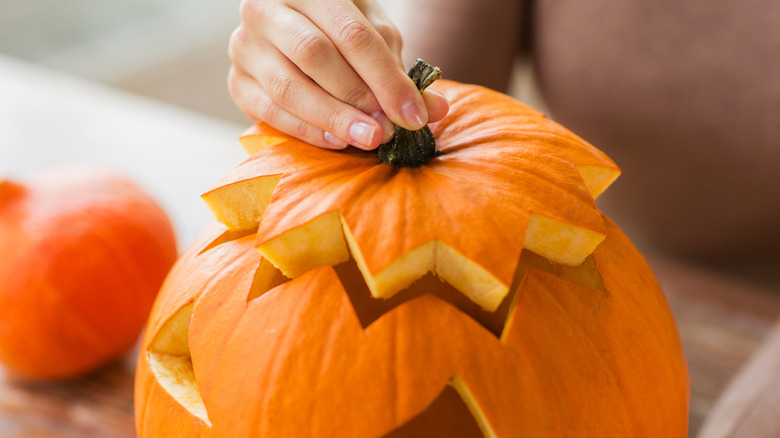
(481, 293)
(84, 253)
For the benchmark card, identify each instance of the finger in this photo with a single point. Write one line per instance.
(316, 56)
(257, 105)
(438, 105)
(295, 92)
(371, 58)
(382, 23)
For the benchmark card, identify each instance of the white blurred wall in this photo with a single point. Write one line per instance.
(171, 50)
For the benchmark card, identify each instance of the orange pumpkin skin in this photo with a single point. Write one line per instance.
(84, 254)
(234, 349)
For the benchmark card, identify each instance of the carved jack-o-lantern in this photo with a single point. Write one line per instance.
(481, 293)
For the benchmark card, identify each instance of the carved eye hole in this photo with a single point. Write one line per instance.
(170, 362)
(369, 309)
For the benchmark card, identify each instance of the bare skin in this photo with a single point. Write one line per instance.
(684, 96)
(328, 72)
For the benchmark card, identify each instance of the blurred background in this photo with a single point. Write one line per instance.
(171, 50)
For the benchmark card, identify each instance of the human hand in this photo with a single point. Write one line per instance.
(328, 72)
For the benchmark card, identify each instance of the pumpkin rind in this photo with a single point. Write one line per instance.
(589, 350)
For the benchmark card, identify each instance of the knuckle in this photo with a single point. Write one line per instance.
(281, 87)
(309, 47)
(329, 121)
(252, 11)
(302, 129)
(393, 85)
(390, 34)
(356, 34)
(360, 97)
(237, 42)
(265, 110)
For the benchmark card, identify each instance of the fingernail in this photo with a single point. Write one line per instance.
(361, 134)
(412, 113)
(334, 141)
(388, 127)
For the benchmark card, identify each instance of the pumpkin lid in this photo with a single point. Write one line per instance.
(505, 178)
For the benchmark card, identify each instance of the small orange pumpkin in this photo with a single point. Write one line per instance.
(83, 256)
(481, 293)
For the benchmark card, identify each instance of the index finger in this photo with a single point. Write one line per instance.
(368, 54)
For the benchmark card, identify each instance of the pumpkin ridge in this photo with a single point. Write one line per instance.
(480, 128)
(578, 326)
(616, 235)
(531, 145)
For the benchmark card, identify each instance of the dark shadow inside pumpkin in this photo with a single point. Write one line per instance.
(368, 309)
(447, 416)
(225, 237)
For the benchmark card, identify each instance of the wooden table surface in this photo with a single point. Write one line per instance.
(47, 120)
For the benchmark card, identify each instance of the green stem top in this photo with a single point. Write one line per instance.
(412, 148)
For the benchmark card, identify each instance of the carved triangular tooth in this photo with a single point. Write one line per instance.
(598, 178)
(226, 236)
(560, 242)
(450, 265)
(319, 242)
(396, 276)
(240, 205)
(170, 362)
(256, 139)
(176, 376)
(469, 278)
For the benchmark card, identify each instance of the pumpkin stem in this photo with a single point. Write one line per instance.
(412, 148)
